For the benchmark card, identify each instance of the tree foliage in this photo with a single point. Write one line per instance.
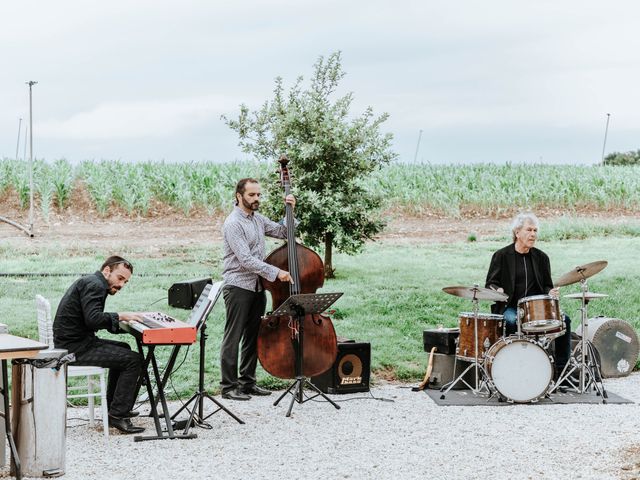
(331, 153)
(627, 158)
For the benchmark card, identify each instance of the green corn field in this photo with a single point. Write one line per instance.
(449, 190)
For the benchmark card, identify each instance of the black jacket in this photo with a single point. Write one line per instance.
(81, 313)
(502, 273)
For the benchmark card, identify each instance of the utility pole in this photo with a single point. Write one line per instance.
(26, 137)
(604, 144)
(31, 83)
(415, 157)
(18, 141)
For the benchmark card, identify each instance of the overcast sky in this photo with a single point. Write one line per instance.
(491, 81)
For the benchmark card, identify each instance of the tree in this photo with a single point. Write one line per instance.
(331, 154)
(627, 158)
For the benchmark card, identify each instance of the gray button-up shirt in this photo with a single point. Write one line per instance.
(244, 249)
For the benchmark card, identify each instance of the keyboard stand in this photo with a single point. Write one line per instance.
(150, 359)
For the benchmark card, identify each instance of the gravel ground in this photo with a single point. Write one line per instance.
(405, 436)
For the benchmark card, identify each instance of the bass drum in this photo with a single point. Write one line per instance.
(617, 344)
(520, 369)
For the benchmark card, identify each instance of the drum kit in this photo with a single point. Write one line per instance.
(518, 367)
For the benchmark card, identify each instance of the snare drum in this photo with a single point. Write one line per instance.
(490, 328)
(540, 315)
(520, 369)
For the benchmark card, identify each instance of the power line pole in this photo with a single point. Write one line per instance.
(415, 157)
(18, 141)
(31, 83)
(604, 144)
(26, 137)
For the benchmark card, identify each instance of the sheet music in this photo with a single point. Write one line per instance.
(205, 304)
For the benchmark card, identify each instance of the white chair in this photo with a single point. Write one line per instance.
(45, 329)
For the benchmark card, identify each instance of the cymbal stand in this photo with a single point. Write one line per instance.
(479, 388)
(583, 358)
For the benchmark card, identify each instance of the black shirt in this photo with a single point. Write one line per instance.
(81, 313)
(525, 285)
(502, 273)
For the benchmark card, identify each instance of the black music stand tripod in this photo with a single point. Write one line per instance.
(297, 306)
(198, 397)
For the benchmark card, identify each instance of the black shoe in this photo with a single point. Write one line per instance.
(124, 425)
(256, 390)
(235, 394)
(131, 414)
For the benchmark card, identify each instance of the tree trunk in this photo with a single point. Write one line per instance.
(328, 254)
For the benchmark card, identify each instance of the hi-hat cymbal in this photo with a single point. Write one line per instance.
(580, 273)
(587, 295)
(476, 292)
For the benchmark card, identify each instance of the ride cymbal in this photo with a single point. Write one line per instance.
(581, 273)
(476, 292)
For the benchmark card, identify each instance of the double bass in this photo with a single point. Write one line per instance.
(278, 337)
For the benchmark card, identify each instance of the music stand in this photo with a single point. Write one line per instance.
(297, 306)
(201, 313)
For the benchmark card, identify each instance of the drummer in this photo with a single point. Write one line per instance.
(521, 270)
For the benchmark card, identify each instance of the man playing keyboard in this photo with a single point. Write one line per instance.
(80, 315)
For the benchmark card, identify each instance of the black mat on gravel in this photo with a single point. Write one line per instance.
(467, 397)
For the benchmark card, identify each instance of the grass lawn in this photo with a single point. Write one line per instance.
(392, 292)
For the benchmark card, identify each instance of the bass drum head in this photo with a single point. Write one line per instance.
(520, 369)
(617, 344)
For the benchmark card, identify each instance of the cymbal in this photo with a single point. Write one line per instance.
(587, 295)
(476, 292)
(580, 273)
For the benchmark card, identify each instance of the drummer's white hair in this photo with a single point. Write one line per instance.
(519, 221)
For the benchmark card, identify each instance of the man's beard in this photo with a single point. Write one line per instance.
(251, 206)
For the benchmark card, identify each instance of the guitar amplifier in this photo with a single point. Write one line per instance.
(185, 294)
(350, 372)
(443, 372)
(444, 339)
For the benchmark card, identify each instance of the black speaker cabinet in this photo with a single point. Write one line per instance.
(185, 294)
(351, 371)
(444, 339)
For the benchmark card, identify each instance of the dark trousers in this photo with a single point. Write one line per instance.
(244, 309)
(563, 345)
(125, 366)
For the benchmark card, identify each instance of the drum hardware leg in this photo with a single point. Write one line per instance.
(460, 378)
(486, 382)
(493, 391)
(476, 310)
(587, 365)
(589, 372)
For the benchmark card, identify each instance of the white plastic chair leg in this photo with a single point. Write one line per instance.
(103, 401)
(91, 401)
